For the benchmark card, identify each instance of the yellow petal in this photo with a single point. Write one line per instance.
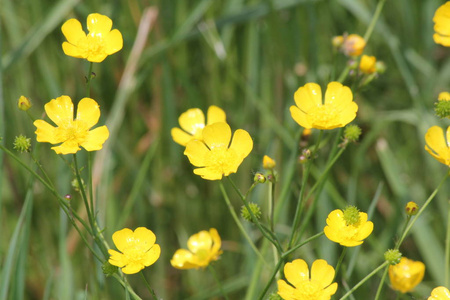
(73, 31)
(121, 238)
(440, 293)
(300, 117)
(338, 94)
(331, 290)
(217, 135)
(113, 42)
(181, 137)
(117, 258)
(60, 110)
(182, 260)
(45, 133)
(348, 114)
(217, 242)
(132, 267)
(96, 57)
(441, 39)
(68, 147)
(99, 24)
(74, 51)
(242, 143)
(152, 255)
(200, 241)
(215, 114)
(208, 173)
(144, 236)
(285, 290)
(322, 272)
(308, 96)
(95, 138)
(436, 141)
(196, 151)
(192, 120)
(296, 272)
(88, 111)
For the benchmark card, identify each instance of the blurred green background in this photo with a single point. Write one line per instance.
(247, 57)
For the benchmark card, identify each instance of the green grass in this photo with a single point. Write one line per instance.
(249, 60)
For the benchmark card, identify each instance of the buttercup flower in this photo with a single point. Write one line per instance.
(349, 227)
(337, 111)
(406, 275)
(214, 155)
(95, 46)
(440, 293)
(436, 144)
(138, 249)
(441, 21)
(367, 65)
(72, 133)
(302, 286)
(192, 123)
(204, 247)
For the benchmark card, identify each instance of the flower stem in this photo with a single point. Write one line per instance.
(88, 80)
(214, 274)
(238, 222)
(447, 249)
(341, 258)
(152, 292)
(384, 264)
(83, 192)
(380, 286)
(374, 20)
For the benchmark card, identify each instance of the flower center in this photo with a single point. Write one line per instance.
(323, 114)
(308, 290)
(92, 44)
(73, 131)
(222, 160)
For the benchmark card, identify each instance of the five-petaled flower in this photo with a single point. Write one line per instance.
(406, 275)
(138, 249)
(95, 46)
(436, 144)
(441, 21)
(348, 230)
(192, 123)
(204, 247)
(305, 287)
(214, 155)
(72, 133)
(440, 293)
(337, 111)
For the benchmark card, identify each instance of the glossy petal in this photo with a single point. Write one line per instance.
(217, 135)
(242, 143)
(117, 258)
(45, 133)
(215, 114)
(308, 96)
(95, 139)
(60, 110)
(300, 117)
(208, 173)
(152, 254)
(196, 151)
(322, 272)
(113, 42)
(74, 51)
(88, 111)
(182, 260)
(192, 120)
(217, 242)
(201, 240)
(441, 21)
(99, 24)
(73, 32)
(440, 293)
(122, 238)
(296, 272)
(180, 136)
(406, 275)
(285, 290)
(436, 144)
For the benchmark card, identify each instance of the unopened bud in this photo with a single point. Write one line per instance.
(411, 208)
(24, 103)
(259, 178)
(268, 163)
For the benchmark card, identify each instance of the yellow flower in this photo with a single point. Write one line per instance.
(406, 275)
(348, 230)
(268, 163)
(204, 247)
(353, 45)
(440, 293)
(436, 144)
(367, 65)
(337, 111)
(95, 46)
(441, 21)
(318, 286)
(214, 155)
(444, 96)
(138, 249)
(72, 133)
(192, 123)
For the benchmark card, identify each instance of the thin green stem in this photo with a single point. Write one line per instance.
(91, 186)
(380, 286)
(238, 222)
(214, 274)
(83, 192)
(301, 199)
(341, 258)
(374, 20)
(384, 264)
(152, 292)
(127, 286)
(447, 249)
(88, 80)
(255, 219)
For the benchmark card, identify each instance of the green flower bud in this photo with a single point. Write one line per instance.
(256, 210)
(392, 256)
(22, 144)
(351, 215)
(352, 133)
(259, 178)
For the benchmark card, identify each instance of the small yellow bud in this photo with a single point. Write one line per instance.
(268, 163)
(411, 208)
(367, 65)
(259, 178)
(24, 103)
(353, 45)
